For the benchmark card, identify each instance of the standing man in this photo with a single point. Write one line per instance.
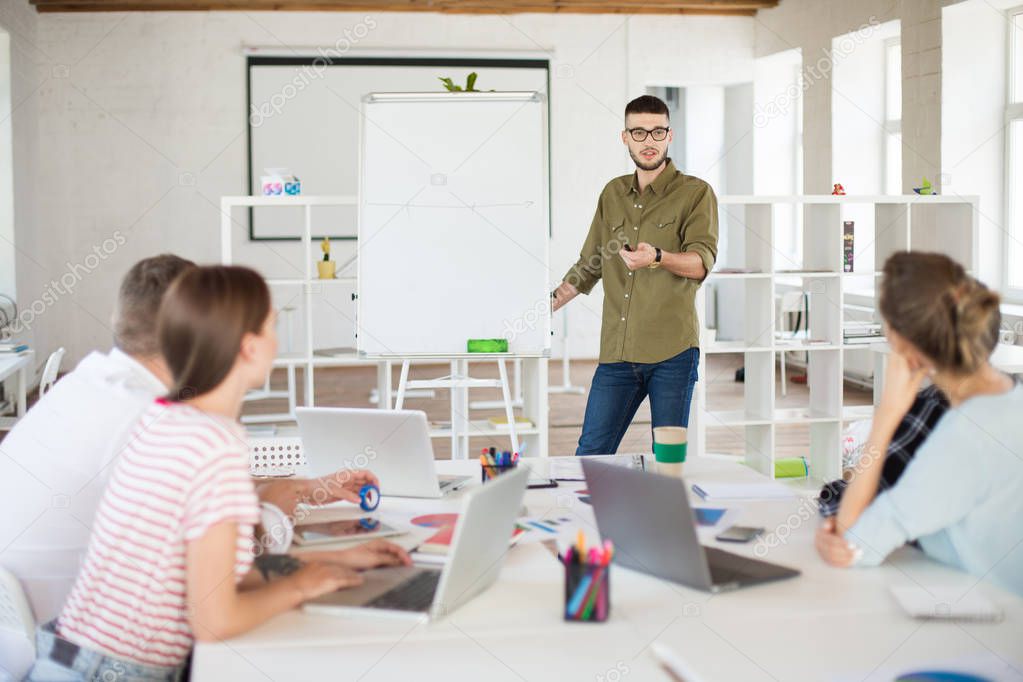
(653, 240)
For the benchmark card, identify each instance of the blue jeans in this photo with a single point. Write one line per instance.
(58, 660)
(618, 389)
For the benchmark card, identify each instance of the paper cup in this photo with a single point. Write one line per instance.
(670, 445)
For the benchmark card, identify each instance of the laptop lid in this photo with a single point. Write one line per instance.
(481, 540)
(393, 444)
(648, 518)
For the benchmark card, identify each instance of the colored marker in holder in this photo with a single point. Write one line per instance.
(588, 583)
(493, 463)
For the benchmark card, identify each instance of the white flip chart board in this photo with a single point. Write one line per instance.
(453, 223)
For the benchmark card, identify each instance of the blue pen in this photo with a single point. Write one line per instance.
(580, 592)
(700, 491)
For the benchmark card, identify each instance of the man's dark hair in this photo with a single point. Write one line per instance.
(141, 292)
(646, 104)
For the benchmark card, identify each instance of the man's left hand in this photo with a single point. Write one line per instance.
(642, 257)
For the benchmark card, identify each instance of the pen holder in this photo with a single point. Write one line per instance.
(587, 592)
(488, 471)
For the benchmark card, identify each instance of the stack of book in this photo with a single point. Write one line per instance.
(862, 332)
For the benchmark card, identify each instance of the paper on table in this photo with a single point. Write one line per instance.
(571, 468)
(945, 604)
(742, 491)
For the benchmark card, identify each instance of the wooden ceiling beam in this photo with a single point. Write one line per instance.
(698, 7)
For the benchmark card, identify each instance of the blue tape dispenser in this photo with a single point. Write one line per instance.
(369, 497)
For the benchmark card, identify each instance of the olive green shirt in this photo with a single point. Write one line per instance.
(649, 315)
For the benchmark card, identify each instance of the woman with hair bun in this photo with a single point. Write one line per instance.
(961, 497)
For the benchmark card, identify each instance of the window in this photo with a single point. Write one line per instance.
(892, 116)
(1013, 234)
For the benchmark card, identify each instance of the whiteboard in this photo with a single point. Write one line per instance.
(453, 223)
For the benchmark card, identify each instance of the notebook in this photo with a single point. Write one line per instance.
(743, 491)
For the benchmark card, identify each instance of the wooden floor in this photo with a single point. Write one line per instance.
(350, 386)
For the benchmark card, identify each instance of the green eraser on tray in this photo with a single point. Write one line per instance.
(487, 345)
(791, 467)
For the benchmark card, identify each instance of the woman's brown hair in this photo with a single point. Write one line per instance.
(203, 317)
(948, 315)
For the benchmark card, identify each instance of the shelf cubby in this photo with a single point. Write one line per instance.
(760, 269)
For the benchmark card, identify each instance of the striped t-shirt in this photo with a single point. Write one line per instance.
(182, 472)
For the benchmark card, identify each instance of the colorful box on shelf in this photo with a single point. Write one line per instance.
(279, 181)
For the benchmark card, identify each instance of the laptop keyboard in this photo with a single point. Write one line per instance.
(415, 594)
(721, 575)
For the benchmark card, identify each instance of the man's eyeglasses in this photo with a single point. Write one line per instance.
(640, 134)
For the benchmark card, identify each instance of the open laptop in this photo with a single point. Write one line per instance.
(649, 519)
(393, 444)
(480, 541)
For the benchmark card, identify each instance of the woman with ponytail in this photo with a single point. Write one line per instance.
(961, 497)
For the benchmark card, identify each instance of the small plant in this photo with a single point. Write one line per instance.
(470, 84)
(325, 246)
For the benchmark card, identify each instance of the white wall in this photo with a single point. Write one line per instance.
(28, 73)
(811, 25)
(973, 68)
(144, 129)
(7, 270)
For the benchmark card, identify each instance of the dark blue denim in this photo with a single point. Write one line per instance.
(618, 389)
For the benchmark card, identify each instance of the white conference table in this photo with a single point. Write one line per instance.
(827, 624)
(16, 365)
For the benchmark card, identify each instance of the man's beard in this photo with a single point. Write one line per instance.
(648, 165)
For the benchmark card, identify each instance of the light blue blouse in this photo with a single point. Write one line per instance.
(961, 496)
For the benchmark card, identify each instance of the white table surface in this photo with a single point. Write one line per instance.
(827, 624)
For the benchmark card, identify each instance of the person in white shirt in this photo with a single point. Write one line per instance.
(55, 462)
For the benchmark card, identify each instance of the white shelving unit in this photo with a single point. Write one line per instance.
(309, 282)
(932, 223)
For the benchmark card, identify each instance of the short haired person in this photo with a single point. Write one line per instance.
(55, 462)
(652, 242)
(961, 496)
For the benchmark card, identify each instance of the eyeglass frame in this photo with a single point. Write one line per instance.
(648, 133)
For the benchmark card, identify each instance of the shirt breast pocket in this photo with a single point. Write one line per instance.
(666, 234)
(616, 238)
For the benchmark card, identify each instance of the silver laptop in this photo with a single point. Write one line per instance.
(650, 522)
(393, 444)
(477, 551)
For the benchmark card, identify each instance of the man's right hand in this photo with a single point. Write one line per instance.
(562, 295)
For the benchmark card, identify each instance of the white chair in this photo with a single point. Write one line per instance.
(50, 371)
(791, 302)
(17, 629)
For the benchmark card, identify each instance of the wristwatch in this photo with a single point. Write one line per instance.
(657, 259)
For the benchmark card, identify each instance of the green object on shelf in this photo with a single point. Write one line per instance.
(791, 467)
(487, 345)
(670, 453)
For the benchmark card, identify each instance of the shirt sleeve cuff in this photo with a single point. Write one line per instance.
(582, 281)
(877, 533)
(705, 256)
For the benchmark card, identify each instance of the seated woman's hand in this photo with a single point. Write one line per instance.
(372, 554)
(832, 547)
(318, 578)
(343, 484)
